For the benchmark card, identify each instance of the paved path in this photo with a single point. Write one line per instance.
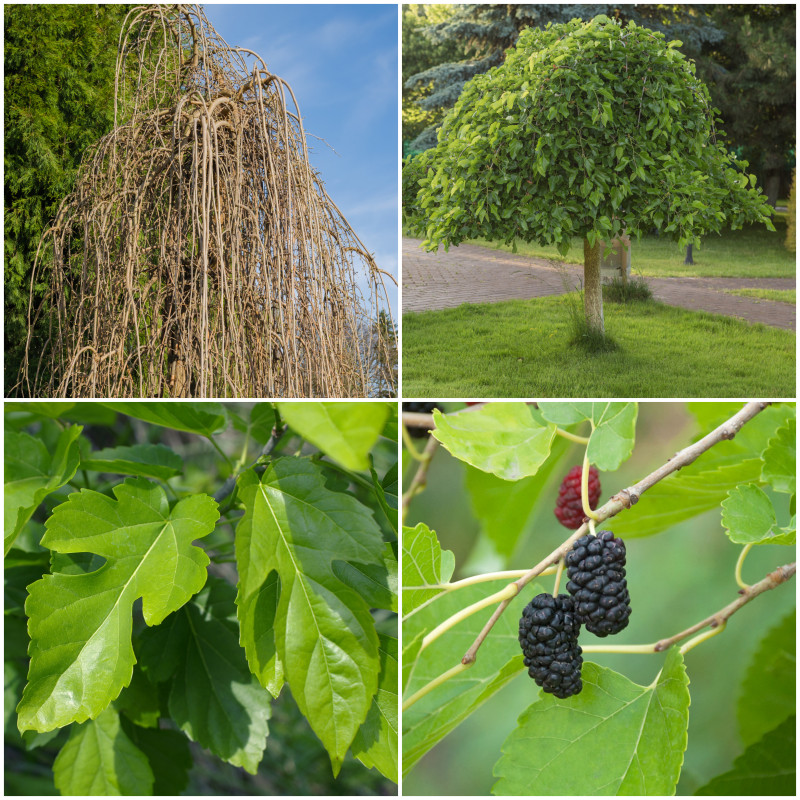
(472, 274)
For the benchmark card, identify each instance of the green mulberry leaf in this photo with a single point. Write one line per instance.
(146, 460)
(31, 473)
(613, 428)
(767, 768)
(507, 439)
(343, 431)
(424, 564)
(768, 692)
(749, 517)
(80, 624)
(647, 724)
(375, 744)
(213, 697)
(780, 460)
(100, 759)
(325, 638)
(169, 756)
(201, 418)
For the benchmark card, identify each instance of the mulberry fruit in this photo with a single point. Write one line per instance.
(548, 635)
(569, 508)
(420, 408)
(596, 571)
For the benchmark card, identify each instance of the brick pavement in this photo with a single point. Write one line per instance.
(472, 274)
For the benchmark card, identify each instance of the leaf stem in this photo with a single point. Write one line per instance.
(738, 574)
(573, 437)
(702, 637)
(429, 687)
(559, 571)
(421, 477)
(507, 592)
(408, 441)
(587, 509)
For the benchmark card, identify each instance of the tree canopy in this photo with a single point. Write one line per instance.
(587, 129)
(485, 31)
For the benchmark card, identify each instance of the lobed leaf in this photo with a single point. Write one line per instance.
(562, 746)
(344, 432)
(80, 624)
(324, 634)
(31, 473)
(100, 759)
(507, 439)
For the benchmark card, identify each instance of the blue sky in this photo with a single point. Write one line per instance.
(341, 62)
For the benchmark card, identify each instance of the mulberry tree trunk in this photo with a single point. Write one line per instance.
(592, 288)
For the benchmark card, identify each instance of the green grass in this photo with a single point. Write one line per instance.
(519, 349)
(779, 295)
(753, 252)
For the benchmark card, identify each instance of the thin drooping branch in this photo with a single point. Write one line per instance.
(620, 501)
(772, 580)
(199, 253)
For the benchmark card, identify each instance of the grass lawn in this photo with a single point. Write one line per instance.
(780, 295)
(753, 252)
(519, 349)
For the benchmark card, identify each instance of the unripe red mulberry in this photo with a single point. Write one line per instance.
(569, 508)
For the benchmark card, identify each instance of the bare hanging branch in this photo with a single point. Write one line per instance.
(199, 254)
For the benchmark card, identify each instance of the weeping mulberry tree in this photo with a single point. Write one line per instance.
(199, 254)
(587, 130)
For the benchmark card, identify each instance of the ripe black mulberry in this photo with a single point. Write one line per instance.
(596, 571)
(548, 635)
(569, 508)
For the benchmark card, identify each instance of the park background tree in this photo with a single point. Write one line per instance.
(59, 98)
(589, 130)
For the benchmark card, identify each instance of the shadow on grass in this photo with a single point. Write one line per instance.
(520, 349)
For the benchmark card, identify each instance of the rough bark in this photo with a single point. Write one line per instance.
(592, 286)
(688, 259)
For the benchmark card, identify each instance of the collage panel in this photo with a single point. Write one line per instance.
(594, 204)
(201, 598)
(199, 206)
(576, 575)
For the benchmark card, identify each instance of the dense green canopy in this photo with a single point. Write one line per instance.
(587, 130)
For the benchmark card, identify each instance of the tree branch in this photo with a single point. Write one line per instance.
(620, 501)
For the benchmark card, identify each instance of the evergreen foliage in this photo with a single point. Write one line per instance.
(59, 98)
(751, 77)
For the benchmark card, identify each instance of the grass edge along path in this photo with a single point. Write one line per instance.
(773, 295)
(752, 252)
(519, 348)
